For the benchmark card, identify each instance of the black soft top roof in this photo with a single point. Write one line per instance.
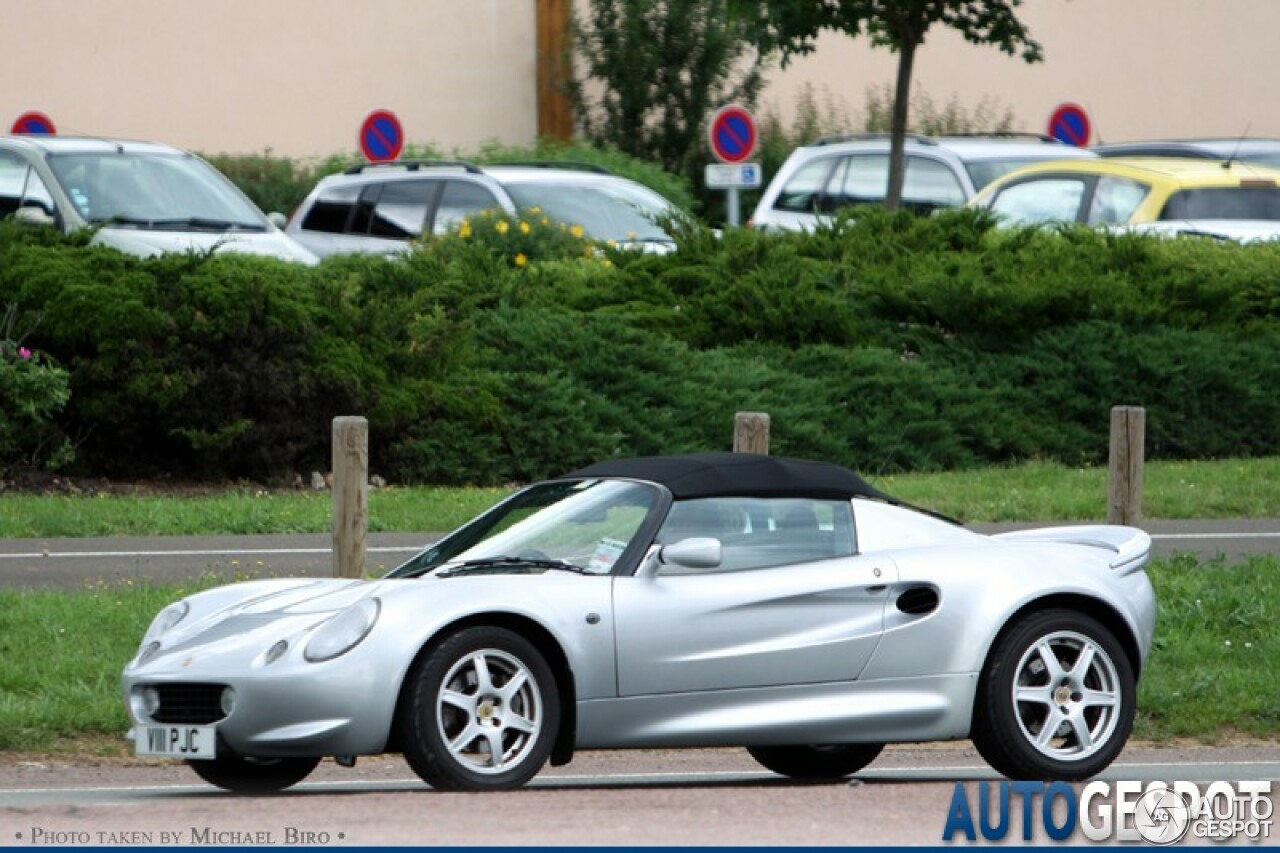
(707, 475)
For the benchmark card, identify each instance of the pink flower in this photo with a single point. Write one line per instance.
(24, 353)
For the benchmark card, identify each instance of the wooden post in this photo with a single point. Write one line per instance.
(554, 69)
(1128, 450)
(751, 433)
(350, 495)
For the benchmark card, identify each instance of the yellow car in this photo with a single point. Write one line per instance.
(1133, 190)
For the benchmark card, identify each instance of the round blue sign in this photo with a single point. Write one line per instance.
(732, 134)
(1070, 124)
(34, 123)
(381, 137)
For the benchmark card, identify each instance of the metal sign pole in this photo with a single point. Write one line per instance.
(735, 218)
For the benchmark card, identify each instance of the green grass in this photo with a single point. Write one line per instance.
(1037, 491)
(1213, 671)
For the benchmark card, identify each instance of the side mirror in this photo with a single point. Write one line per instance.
(33, 216)
(278, 219)
(698, 552)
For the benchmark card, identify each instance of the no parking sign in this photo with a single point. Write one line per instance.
(381, 136)
(35, 123)
(1070, 124)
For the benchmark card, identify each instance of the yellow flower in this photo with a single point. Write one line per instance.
(501, 226)
(535, 210)
(576, 230)
(546, 220)
(521, 260)
(524, 227)
(465, 230)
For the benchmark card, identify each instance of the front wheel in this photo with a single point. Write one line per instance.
(1056, 699)
(253, 775)
(481, 712)
(817, 761)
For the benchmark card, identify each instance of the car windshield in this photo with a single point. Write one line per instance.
(1261, 202)
(612, 210)
(153, 190)
(579, 525)
(983, 172)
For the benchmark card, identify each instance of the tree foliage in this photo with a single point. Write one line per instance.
(791, 27)
(652, 71)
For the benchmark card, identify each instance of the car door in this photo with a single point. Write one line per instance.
(1044, 198)
(789, 604)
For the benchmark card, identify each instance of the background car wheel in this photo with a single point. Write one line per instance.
(817, 761)
(254, 775)
(481, 713)
(1056, 698)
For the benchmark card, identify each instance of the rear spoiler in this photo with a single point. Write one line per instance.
(1130, 547)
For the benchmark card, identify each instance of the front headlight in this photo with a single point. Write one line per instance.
(164, 622)
(343, 632)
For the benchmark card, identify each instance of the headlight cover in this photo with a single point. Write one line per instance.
(343, 632)
(164, 622)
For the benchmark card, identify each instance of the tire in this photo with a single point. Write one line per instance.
(1036, 716)
(479, 691)
(253, 775)
(817, 761)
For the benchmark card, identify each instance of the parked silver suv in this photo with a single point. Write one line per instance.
(380, 207)
(944, 171)
(141, 197)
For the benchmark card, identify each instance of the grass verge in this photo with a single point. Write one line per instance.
(1239, 488)
(1212, 673)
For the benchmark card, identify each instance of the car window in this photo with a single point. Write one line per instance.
(459, 200)
(1241, 202)
(332, 209)
(606, 210)
(864, 179)
(983, 172)
(20, 186)
(1115, 200)
(928, 182)
(401, 209)
(802, 191)
(761, 532)
(151, 189)
(1041, 200)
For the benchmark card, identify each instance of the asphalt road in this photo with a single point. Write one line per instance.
(644, 797)
(73, 563)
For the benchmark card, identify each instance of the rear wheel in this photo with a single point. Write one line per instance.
(1056, 699)
(817, 761)
(482, 712)
(253, 775)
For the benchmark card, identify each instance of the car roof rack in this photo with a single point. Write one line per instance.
(860, 137)
(1008, 134)
(413, 166)
(575, 165)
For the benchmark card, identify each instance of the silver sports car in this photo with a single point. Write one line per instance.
(722, 599)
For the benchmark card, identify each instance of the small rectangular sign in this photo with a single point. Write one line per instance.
(726, 176)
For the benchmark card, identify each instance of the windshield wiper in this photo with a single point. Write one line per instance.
(495, 562)
(181, 223)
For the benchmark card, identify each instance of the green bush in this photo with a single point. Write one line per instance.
(886, 342)
(33, 391)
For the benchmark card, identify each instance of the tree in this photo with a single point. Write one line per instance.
(791, 26)
(654, 70)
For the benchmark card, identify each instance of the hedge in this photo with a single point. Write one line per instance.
(886, 342)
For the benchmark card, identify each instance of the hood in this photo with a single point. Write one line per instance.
(148, 244)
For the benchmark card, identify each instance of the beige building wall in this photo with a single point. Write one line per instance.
(1141, 68)
(296, 76)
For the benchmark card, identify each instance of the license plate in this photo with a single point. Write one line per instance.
(176, 741)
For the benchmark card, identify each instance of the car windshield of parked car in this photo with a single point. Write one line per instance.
(1243, 202)
(614, 210)
(983, 172)
(585, 525)
(153, 190)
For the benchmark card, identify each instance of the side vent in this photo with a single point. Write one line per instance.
(918, 600)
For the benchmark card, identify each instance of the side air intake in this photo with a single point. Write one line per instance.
(918, 600)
